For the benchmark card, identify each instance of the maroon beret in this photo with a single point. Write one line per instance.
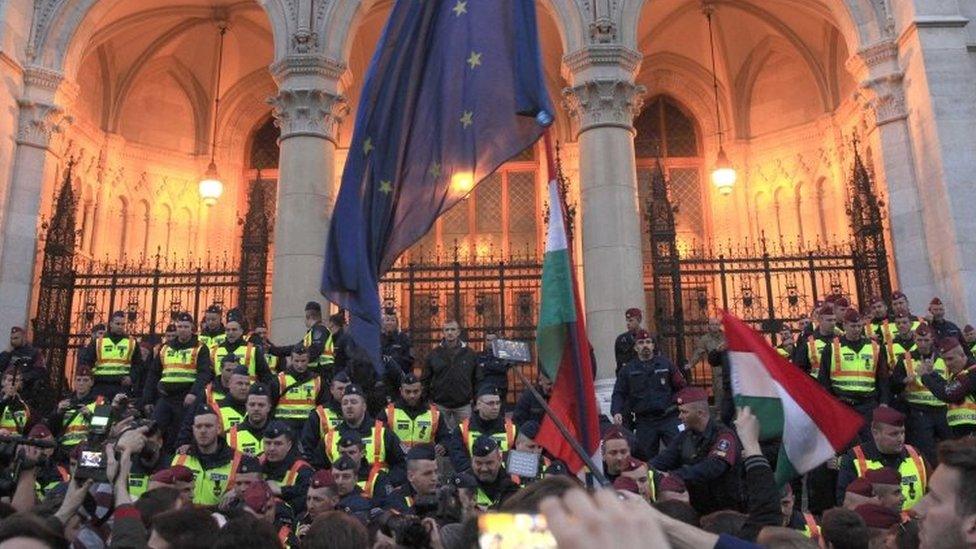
(935, 301)
(626, 484)
(861, 487)
(172, 475)
(40, 430)
(852, 316)
(878, 516)
(877, 299)
(884, 475)
(323, 478)
(257, 496)
(84, 370)
(642, 334)
(672, 483)
(691, 394)
(842, 301)
(923, 330)
(888, 416)
(632, 464)
(969, 328)
(634, 312)
(947, 344)
(895, 296)
(826, 309)
(614, 433)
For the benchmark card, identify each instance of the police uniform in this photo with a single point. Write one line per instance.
(247, 437)
(71, 425)
(968, 340)
(403, 498)
(355, 502)
(212, 338)
(214, 474)
(15, 414)
(397, 346)
(492, 494)
(319, 342)
(113, 358)
(502, 428)
(707, 462)
(419, 424)
(372, 477)
(926, 425)
(943, 328)
(898, 345)
(248, 354)
(865, 456)
(958, 391)
(646, 388)
(292, 473)
(297, 394)
(623, 346)
(493, 371)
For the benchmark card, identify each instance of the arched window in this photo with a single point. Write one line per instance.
(666, 131)
(264, 147)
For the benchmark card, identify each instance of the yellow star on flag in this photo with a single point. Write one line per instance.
(386, 187)
(474, 59)
(367, 145)
(466, 119)
(435, 170)
(460, 8)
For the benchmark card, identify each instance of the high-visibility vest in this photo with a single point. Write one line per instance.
(327, 358)
(328, 420)
(854, 371)
(419, 430)
(228, 416)
(42, 489)
(505, 439)
(884, 328)
(15, 420)
(138, 484)
(245, 355)
(972, 348)
(783, 352)
(74, 427)
(369, 485)
(964, 413)
(272, 362)
(483, 500)
(211, 341)
(179, 365)
(113, 359)
(896, 350)
(913, 476)
(291, 475)
(296, 399)
(244, 441)
(811, 529)
(210, 484)
(814, 348)
(374, 449)
(916, 392)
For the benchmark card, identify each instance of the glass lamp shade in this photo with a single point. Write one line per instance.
(723, 176)
(463, 182)
(210, 186)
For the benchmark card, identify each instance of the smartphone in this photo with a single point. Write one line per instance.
(514, 531)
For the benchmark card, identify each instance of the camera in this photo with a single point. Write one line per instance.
(92, 465)
(407, 530)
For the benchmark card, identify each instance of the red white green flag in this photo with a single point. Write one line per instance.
(813, 425)
(563, 347)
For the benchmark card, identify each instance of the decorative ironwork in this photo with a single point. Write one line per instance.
(562, 186)
(665, 268)
(254, 254)
(866, 213)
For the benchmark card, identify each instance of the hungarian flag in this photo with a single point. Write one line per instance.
(814, 426)
(564, 350)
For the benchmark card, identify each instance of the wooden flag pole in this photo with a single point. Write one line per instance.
(596, 472)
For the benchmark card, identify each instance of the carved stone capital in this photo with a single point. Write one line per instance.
(42, 78)
(307, 67)
(38, 122)
(602, 56)
(312, 112)
(887, 98)
(603, 102)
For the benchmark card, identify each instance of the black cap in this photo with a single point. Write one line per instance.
(170, 328)
(353, 389)
(313, 306)
(530, 428)
(277, 428)
(259, 389)
(299, 349)
(184, 317)
(341, 377)
(204, 409)
(99, 327)
(214, 309)
(422, 452)
(484, 445)
(230, 357)
(409, 379)
(118, 314)
(249, 464)
(487, 389)
(350, 439)
(241, 370)
(345, 463)
(235, 315)
(464, 480)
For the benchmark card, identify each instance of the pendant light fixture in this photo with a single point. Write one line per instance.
(211, 187)
(723, 174)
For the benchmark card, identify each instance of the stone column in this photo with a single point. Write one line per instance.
(603, 100)
(308, 109)
(34, 164)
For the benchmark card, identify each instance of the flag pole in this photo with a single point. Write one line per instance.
(595, 471)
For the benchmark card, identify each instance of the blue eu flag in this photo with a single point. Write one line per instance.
(454, 89)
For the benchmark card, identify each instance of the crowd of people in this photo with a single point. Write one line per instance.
(216, 436)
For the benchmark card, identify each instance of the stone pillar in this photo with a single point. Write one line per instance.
(34, 164)
(603, 100)
(308, 109)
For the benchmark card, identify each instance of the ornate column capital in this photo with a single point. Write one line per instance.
(38, 122)
(881, 78)
(309, 70)
(601, 58)
(603, 102)
(313, 112)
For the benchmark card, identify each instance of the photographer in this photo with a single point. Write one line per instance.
(145, 444)
(73, 415)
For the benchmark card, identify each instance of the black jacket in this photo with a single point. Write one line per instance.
(293, 495)
(450, 375)
(397, 346)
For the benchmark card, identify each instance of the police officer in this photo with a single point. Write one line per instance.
(615, 447)
(297, 388)
(49, 473)
(787, 343)
(320, 442)
(623, 346)
(15, 414)
(212, 461)
(247, 353)
(372, 477)
(880, 327)
(395, 344)
(900, 306)
(494, 483)
(146, 447)
(415, 420)
(247, 436)
(969, 339)
(527, 407)
(854, 369)
(902, 341)
(322, 497)
(114, 358)
(219, 387)
(317, 341)
(526, 442)
(287, 474)
(926, 413)
(645, 387)
(958, 390)
(886, 448)
(421, 479)
(351, 497)
(177, 376)
(72, 417)
(490, 369)
(330, 407)
(489, 421)
(705, 456)
(212, 332)
(230, 408)
(807, 352)
(937, 320)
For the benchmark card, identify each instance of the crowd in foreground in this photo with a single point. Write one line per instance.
(218, 437)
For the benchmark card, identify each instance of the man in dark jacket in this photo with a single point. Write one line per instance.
(491, 369)
(450, 375)
(22, 354)
(396, 344)
(527, 407)
(623, 346)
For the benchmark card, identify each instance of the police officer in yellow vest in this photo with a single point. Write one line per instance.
(809, 348)
(231, 408)
(487, 420)
(327, 415)
(219, 387)
(926, 413)
(900, 306)
(146, 448)
(317, 341)
(213, 462)
(287, 474)
(298, 389)
(212, 331)
(320, 443)
(957, 390)
(48, 473)
(114, 358)
(880, 328)
(787, 343)
(902, 341)
(73, 414)
(372, 476)
(177, 377)
(855, 370)
(248, 354)
(15, 414)
(421, 479)
(416, 421)
(886, 448)
(259, 337)
(248, 435)
(495, 485)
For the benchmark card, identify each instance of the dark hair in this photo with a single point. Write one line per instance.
(724, 522)
(31, 526)
(844, 529)
(336, 530)
(906, 534)
(679, 510)
(960, 454)
(189, 528)
(339, 319)
(527, 499)
(779, 537)
(155, 502)
(246, 532)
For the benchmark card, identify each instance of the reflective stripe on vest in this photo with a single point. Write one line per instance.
(328, 350)
(211, 341)
(76, 430)
(964, 413)
(814, 348)
(811, 529)
(15, 420)
(299, 398)
(244, 441)
(41, 489)
(291, 477)
(138, 485)
(245, 355)
(327, 420)
(113, 359)
(373, 452)
(419, 430)
(210, 484)
(505, 439)
(915, 392)
(854, 372)
(179, 365)
(369, 484)
(912, 468)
